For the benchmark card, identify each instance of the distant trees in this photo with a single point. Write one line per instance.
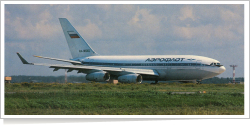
(217, 80)
(47, 79)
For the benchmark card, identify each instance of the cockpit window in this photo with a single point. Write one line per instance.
(215, 64)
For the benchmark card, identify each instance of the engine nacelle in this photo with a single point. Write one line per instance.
(130, 78)
(98, 76)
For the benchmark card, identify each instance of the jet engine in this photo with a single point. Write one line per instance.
(98, 76)
(130, 78)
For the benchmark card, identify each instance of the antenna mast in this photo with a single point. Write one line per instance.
(65, 75)
(233, 72)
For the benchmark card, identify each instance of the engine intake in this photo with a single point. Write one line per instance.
(98, 76)
(130, 78)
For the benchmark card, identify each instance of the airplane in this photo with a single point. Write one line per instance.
(132, 68)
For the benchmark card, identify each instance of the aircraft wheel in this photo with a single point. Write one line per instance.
(198, 81)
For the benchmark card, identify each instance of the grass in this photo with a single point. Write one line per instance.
(211, 110)
(122, 99)
(164, 87)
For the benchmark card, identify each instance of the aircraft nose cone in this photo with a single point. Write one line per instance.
(222, 69)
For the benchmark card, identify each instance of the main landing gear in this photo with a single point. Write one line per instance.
(156, 81)
(198, 82)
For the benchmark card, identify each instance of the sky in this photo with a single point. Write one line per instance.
(210, 30)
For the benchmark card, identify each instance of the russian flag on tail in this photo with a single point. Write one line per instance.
(72, 34)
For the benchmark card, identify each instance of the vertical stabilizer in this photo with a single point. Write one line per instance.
(77, 45)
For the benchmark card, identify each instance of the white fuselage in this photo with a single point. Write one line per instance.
(169, 67)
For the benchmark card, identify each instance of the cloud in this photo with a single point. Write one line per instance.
(233, 20)
(144, 22)
(16, 45)
(224, 33)
(32, 46)
(234, 13)
(22, 28)
(187, 12)
(105, 7)
(193, 32)
(126, 8)
(90, 31)
(206, 33)
(229, 16)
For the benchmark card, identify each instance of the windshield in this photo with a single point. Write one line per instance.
(215, 64)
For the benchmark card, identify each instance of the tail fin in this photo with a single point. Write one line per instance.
(77, 45)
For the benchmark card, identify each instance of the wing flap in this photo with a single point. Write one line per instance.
(108, 69)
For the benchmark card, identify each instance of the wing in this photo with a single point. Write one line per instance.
(90, 69)
(63, 60)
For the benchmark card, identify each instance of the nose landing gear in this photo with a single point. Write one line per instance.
(198, 82)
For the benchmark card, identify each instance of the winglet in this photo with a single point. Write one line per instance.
(22, 59)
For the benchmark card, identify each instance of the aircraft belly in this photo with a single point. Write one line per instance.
(184, 73)
(188, 74)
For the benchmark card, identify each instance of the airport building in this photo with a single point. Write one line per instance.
(7, 79)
